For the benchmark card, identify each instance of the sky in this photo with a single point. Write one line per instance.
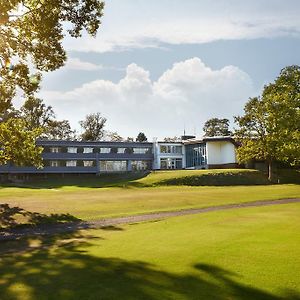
(165, 66)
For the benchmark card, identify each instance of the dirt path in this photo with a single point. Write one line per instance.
(109, 223)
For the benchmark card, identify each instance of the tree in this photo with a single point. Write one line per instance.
(93, 126)
(129, 139)
(113, 136)
(141, 137)
(216, 127)
(59, 130)
(31, 34)
(269, 130)
(36, 114)
(18, 144)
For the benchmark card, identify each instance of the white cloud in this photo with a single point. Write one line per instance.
(77, 64)
(142, 24)
(187, 94)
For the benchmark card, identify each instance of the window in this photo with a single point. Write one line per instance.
(88, 150)
(71, 163)
(72, 150)
(104, 150)
(121, 150)
(170, 149)
(54, 149)
(113, 166)
(140, 165)
(170, 163)
(54, 163)
(141, 150)
(88, 163)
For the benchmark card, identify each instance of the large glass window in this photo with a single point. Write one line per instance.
(72, 150)
(195, 155)
(71, 163)
(88, 150)
(113, 166)
(171, 149)
(140, 165)
(54, 149)
(170, 163)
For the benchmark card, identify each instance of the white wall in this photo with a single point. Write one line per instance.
(220, 152)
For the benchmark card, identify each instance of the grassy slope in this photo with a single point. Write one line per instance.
(239, 254)
(91, 203)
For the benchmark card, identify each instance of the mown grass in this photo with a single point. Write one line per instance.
(91, 203)
(240, 254)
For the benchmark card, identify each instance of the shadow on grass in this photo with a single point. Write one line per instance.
(62, 268)
(13, 217)
(81, 180)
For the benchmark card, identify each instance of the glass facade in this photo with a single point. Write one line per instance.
(195, 155)
(170, 163)
(171, 149)
(113, 165)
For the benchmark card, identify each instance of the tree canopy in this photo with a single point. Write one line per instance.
(269, 130)
(31, 34)
(216, 127)
(141, 137)
(93, 126)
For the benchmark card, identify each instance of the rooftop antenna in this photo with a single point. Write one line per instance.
(184, 129)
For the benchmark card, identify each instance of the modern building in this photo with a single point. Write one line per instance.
(78, 157)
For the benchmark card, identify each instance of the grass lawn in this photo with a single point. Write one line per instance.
(95, 203)
(251, 253)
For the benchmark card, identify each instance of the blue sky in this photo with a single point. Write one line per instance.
(160, 66)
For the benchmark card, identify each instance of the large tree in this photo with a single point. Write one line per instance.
(93, 126)
(269, 130)
(18, 144)
(31, 34)
(216, 127)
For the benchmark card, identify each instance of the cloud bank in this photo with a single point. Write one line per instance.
(143, 24)
(184, 96)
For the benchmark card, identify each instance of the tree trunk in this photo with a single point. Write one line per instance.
(270, 170)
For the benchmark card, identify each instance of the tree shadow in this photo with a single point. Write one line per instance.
(104, 180)
(61, 267)
(13, 217)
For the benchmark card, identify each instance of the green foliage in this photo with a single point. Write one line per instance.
(59, 130)
(141, 137)
(113, 136)
(18, 144)
(93, 126)
(31, 34)
(35, 113)
(270, 127)
(216, 127)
